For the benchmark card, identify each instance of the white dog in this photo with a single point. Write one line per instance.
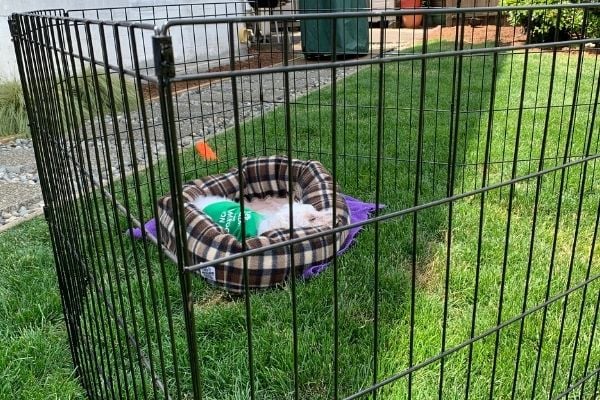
(266, 214)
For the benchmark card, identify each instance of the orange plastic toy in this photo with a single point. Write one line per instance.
(205, 151)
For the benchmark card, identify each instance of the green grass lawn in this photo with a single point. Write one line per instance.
(485, 284)
(356, 105)
(34, 353)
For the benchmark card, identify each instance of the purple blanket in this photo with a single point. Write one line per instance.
(359, 212)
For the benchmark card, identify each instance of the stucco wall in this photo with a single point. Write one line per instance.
(199, 43)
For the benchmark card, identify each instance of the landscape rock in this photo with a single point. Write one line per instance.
(207, 111)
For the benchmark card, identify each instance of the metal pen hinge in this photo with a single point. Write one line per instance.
(164, 61)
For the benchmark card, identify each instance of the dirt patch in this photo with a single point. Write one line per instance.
(212, 299)
(259, 56)
(430, 273)
(509, 36)
(9, 138)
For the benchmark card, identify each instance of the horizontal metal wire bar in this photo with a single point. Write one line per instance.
(391, 215)
(351, 106)
(376, 60)
(162, 30)
(578, 383)
(112, 67)
(430, 162)
(134, 24)
(153, 7)
(472, 340)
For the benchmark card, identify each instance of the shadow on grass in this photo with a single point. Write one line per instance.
(221, 322)
(356, 106)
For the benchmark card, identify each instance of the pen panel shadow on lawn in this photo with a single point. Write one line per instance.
(483, 278)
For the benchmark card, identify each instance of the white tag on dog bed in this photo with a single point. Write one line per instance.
(208, 273)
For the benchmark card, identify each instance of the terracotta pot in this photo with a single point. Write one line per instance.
(410, 21)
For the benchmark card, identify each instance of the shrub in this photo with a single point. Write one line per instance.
(99, 94)
(543, 24)
(13, 115)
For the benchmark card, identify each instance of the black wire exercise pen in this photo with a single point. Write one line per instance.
(479, 278)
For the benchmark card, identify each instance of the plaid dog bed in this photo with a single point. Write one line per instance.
(264, 176)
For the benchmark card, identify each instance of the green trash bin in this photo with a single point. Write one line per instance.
(352, 34)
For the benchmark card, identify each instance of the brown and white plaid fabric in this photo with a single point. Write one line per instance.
(264, 176)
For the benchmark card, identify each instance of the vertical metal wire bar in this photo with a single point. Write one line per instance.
(509, 212)
(370, 106)
(336, 320)
(410, 118)
(563, 107)
(455, 102)
(582, 308)
(540, 77)
(480, 109)
(591, 256)
(125, 193)
(151, 111)
(581, 33)
(112, 188)
(596, 145)
(163, 56)
(106, 214)
(153, 198)
(482, 199)
(589, 107)
(579, 211)
(70, 277)
(161, 385)
(415, 225)
(344, 107)
(288, 132)
(244, 101)
(191, 122)
(186, 93)
(357, 101)
(452, 150)
(22, 47)
(595, 318)
(71, 227)
(536, 202)
(103, 240)
(93, 281)
(565, 158)
(397, 123)
(238, 144)
(509, 94)
(213, 112)
(72, 128)
(63, 197)
(378, 183)
(436, 123)
(467, 112)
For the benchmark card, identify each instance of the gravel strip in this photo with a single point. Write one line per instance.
(20, 194)
(202, 112)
